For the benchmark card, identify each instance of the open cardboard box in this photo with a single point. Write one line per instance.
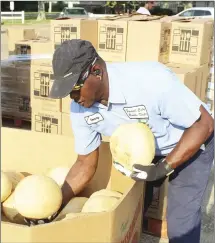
(32, 152)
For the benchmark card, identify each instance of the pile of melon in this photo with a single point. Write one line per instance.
(39, 196)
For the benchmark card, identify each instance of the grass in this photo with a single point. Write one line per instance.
(28, 22)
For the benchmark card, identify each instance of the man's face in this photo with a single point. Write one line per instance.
(151, 5)
(88, 94)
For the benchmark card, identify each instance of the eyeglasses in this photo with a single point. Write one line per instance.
(83, 78)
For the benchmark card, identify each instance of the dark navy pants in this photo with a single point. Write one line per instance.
(185, 196)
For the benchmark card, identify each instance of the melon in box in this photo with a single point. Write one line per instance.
(36, 153)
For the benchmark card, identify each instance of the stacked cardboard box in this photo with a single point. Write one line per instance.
(191, 43)
(15, 75)
(17, 34)
(131, 39)
(15, 90)
(62, 30)
(49, 115)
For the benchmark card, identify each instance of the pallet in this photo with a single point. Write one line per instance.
(17, 122)
(155, 227)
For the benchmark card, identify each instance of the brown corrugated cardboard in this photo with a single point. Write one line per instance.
(16, 34)
(66, 125)
(66, 104)
(41, 83)
(46, 121)
(157, 210)
(131, 39)
(112, 39)
(62, 30)
(36, 153)
(143, 44)
(195, 78)
(37, 46)
(191, 41)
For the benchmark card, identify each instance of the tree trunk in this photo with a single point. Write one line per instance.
(50, 7)
(41, 11)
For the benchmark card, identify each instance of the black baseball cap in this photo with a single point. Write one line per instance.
(70, 60)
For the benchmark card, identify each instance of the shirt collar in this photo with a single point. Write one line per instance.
(115, 87)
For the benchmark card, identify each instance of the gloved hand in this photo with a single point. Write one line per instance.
(33, 222)
(151, 172)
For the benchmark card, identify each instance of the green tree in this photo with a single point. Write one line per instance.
(122, 6)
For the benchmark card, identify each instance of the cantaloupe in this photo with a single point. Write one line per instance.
(58, 174)
(107, 193)
(6, 186)
(131, 144)
(75, 205)
(99, 204)
(15, 177)
(37, 197)
(10, 212)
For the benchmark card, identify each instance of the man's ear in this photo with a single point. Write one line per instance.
(97, 70)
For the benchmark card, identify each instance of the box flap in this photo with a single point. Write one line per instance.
(132, 17)
(170, 19)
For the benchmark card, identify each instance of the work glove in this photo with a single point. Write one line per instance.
(33, 222)
(152, 172)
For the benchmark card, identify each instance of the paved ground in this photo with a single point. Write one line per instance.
(208, 206)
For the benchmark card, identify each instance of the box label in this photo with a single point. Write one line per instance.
(46, 124)
(185, 40)
(43, 81)
(111, 38)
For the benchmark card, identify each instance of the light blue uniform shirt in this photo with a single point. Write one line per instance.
(146, 91)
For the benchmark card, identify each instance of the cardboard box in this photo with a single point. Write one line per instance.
(36, 153)
(157, 209)
(62, 30)
(16, 34)
(32, 47)
(191, 41)
(131, 39)
(143, 44)
(46, 121)
(66, 102)
(195, 78)
(41, 83)
(66, 125)
(15, 79)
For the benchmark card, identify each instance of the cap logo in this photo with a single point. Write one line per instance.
(68, 74)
